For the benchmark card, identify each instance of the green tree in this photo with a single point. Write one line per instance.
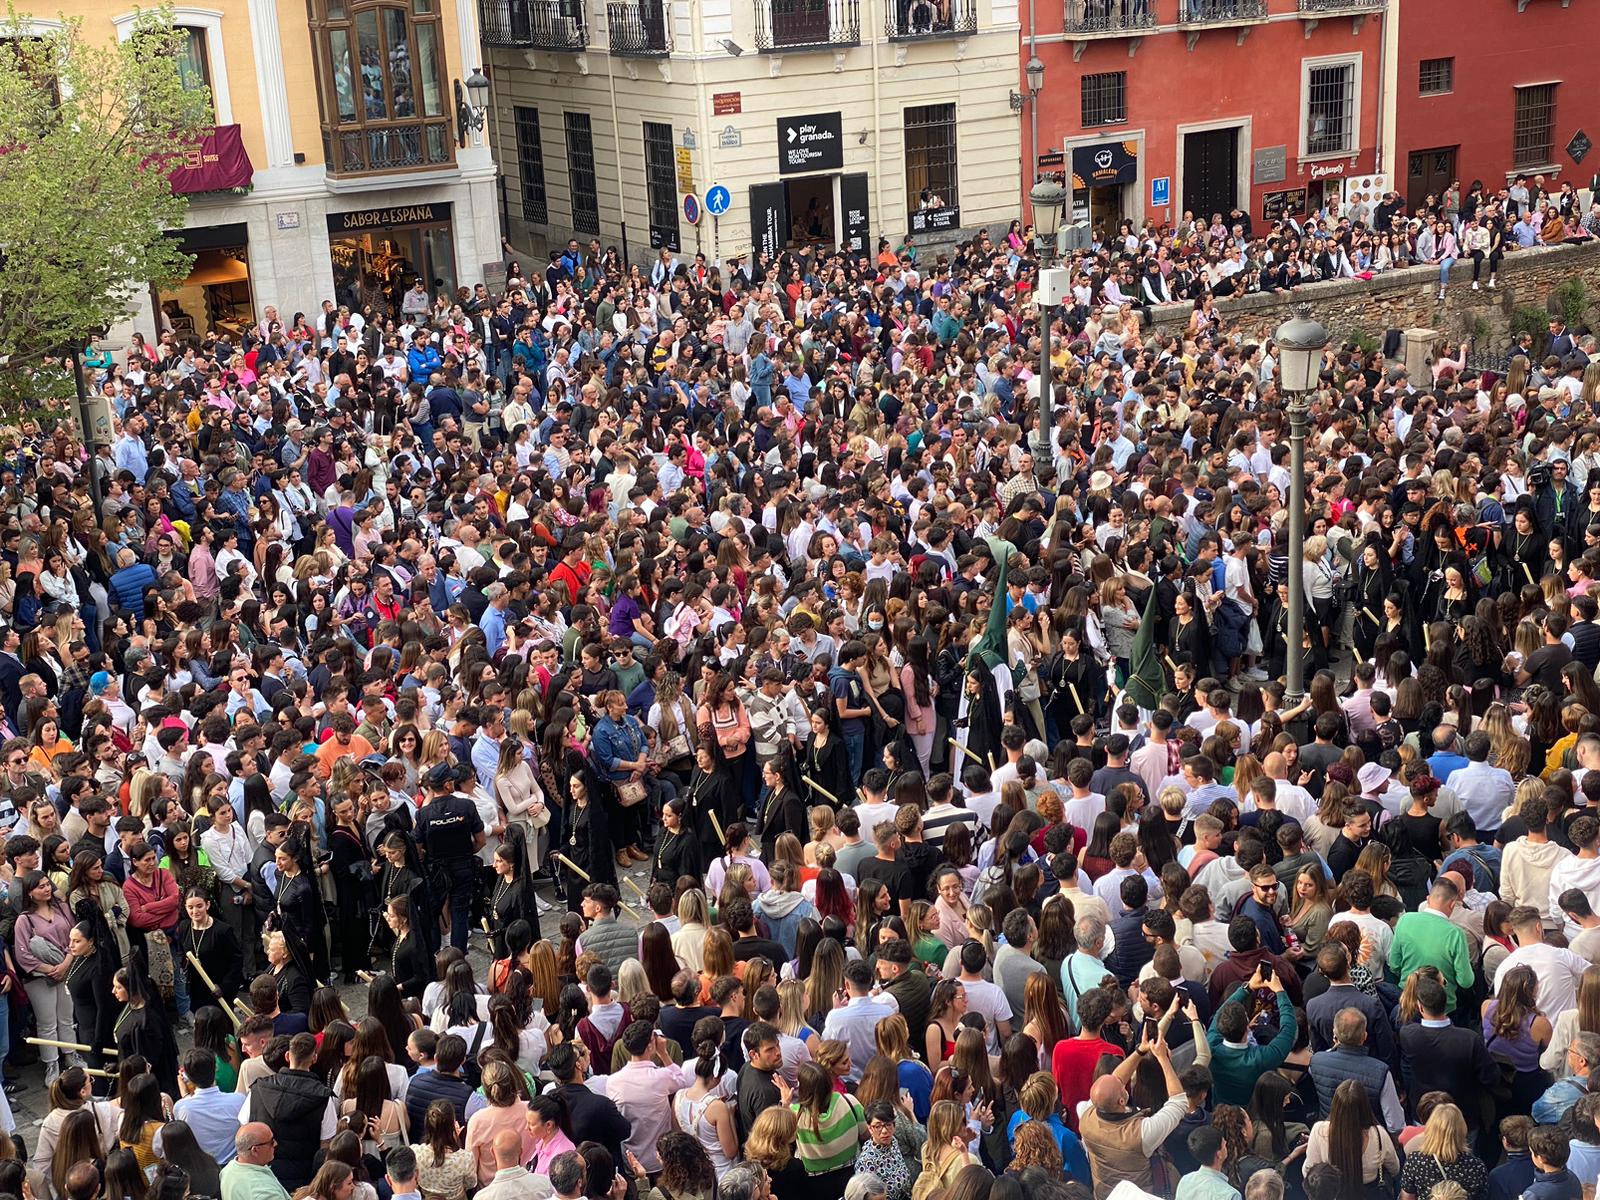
(88, 133)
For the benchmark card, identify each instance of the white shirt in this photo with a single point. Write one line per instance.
(1555, 967)
(988, 1000)
(856, 1024)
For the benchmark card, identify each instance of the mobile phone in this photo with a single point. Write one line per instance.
(1152, 1029)
(1266, 971)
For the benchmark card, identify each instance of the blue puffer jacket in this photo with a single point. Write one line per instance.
(130, 583)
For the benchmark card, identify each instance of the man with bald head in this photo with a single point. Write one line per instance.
(1289, 797)
(1120, 1143)
(249, 1176)
(512, 1180)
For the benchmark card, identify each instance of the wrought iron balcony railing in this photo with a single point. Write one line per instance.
(394, 147)
(639, 28)
(913, 20)
(535, 24)
(1220, 12)
(807, 24)
(1109, 18)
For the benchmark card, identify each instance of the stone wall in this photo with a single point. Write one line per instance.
(1409, 298)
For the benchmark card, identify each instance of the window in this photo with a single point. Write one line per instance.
(661, 185)
(1534, 126)
(1330, 109)
(1105, 98)
(530, 165)
(1436, 76)
(380, 83)
(33, 57)
(193, 69)
(931, 157)
(580, 173)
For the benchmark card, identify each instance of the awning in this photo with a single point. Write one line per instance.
(1106, 164)
(218, 164)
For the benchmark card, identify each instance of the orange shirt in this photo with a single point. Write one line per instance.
(331, 752)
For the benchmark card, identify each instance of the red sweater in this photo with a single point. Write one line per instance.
(1072, 1063)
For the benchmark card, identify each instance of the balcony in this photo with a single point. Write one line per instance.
(1109, 18)
(808, 24)
(1220, 12)
(1314, 12)
(639, 28)
(919, 20)
(377, 149)
(534, 24)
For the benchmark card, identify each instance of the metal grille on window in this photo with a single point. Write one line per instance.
(580, 173)
(661, 185)
(931, 157)
(530, 164)
(1105, 98)
(1330, 109)
(1436, 76)
(1533, 129)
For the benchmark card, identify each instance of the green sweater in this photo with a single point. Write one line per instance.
(1430, 939)
(1234, 1071)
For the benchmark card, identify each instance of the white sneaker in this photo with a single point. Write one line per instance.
(1441, 293)
(1256, 673)
(1491, 283)
(541, 905)
(1475, 285)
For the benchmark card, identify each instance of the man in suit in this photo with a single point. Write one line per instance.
(1333, 961)
(11, 673)
(1561, 343)
(1436, 1055)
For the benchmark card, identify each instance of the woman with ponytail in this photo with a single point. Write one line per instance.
(700, 1109)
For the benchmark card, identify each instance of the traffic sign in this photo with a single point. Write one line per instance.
(691, 209)
(718, 200)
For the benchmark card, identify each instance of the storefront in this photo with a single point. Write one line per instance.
(818, 205)
(1102, 175)
(378, 253)
(217, 293)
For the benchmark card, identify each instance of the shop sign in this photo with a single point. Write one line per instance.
(1272, 164)
(1108, 164)
(810, 143)
(1324, 170)
(935, 220)
(727, 104)
(399, 216)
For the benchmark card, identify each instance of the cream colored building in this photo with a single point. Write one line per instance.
(824, 120)
(357, 178)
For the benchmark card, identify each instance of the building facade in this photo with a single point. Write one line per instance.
(336, 169)
(719, 126)
(1491, 100)
(1154, 108)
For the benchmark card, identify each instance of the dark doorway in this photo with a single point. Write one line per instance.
(1428, 173)
(1211, 171)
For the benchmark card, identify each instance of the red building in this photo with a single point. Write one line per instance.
(1155, 107)
(1506, 91)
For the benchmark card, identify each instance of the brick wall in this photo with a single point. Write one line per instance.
(1409, 299)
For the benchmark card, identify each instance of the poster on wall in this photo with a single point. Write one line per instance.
(1275, 206)
(1371, 187)
(857, 219)
(769, 218)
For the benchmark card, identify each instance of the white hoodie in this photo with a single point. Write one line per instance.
(1575, 871)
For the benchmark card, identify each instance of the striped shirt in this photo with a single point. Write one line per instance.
(833, 1140)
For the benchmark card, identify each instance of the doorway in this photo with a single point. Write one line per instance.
(216, 294)
(1211, 171)
(813, 214)
(1429, 173)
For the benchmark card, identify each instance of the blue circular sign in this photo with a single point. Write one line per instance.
(718, 200)
(691, 208)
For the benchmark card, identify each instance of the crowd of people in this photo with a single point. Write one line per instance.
(732, 751)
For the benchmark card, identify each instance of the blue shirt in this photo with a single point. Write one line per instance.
(485, 760)
(1073, 1156)
(130, 455)
(213, 1115)
(493, 624)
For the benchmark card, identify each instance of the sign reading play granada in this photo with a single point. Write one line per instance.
(398, 216)
(810, 143)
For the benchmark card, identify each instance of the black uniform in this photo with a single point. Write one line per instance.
(447, 830)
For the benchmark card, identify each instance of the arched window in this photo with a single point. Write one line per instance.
(380, 82)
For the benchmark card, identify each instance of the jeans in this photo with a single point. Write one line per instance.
(5, 1026)
(855, 745)
(1444, 270)
(180, 985)
(463, 876)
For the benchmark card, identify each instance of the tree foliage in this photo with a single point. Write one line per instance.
(89, 128)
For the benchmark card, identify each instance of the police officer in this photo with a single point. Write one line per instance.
(451, 833)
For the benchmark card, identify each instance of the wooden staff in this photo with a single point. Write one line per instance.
(584, 875)
(639, 891)
(364, 976)
(215, 991)
(244, 1010)
(1370, 615)
(1076, 699)
(1526, 572)
(818, 787)
(79, 1046)
(98, 1074)
(963, 749)
(717, 825)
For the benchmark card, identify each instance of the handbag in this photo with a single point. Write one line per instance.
(630, 793)
(158, 952)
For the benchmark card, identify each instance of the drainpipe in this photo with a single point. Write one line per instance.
(1380, 157)
(703, 123)
(877, 135)
(1031, 167)
(616, 144)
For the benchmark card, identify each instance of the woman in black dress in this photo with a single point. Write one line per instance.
(1189, 636)
(352, 887)
(1523, 556)
(398, 874)
(219, 952)
(827, 765)
(782, 809)
(678, 851)
(288, 975)
(1372, 582)
(94, 1008)
(712, 790)
(409, 963)
(511, 897)
(142, 1028)
(984, 717)
(297, 910)
(1072, 680)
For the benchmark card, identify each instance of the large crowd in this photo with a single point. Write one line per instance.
(690, 734)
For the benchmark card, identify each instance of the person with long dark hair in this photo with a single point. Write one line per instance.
(351, 868)
(1352, 1140)
(409, 963)
(678, 851)
(713, 792)
(142, 1028)
(219, 952)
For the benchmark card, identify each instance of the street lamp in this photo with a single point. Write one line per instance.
(472, 104)
(1300, 342)
(1048, 199)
